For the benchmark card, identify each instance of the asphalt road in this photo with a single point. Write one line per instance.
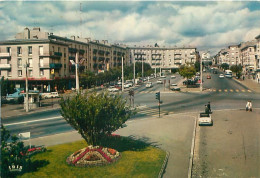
(50, 122)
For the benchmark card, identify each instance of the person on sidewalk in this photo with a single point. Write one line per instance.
(209, 107)
(249, 106)
(206, 109)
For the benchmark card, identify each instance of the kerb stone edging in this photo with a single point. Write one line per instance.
(160, 175)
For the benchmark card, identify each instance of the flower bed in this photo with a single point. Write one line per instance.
(93, 156)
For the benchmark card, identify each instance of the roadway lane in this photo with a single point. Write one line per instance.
(221, 84)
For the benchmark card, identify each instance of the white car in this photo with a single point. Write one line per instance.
(112, 89)
(159, 81)
(205, 119)
(130, 84)
(221, 76)
(174, 84)
(126, 85)
(173, 76)
(50, 95)
(149, 85)
(163, 76)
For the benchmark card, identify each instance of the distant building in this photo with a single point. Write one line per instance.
(257, 60)
(164, 57)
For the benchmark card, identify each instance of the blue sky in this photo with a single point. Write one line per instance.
(206, 25)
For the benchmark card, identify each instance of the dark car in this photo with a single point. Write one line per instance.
(176, 89)
(215, 72)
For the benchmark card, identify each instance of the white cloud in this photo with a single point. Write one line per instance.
(202, 24)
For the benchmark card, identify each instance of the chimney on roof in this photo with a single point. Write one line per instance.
(72, 37)
(26, 33)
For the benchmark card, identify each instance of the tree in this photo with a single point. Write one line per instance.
(12, 154)
(197, 66)
(236, 69)
(187, 71)
(224, 66)
(96, 115)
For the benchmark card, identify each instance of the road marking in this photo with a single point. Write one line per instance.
(243, 90)
(237, 90)
(38, 120)
(231, 90)
(225, 90)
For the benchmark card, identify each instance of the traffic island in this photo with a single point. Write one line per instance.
(137, 158)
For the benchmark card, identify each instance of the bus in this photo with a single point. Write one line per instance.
(228, 73)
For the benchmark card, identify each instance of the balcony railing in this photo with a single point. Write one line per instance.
(81, 51)
(71, 58)
(5, 66)
(58, 54)
(73, 50)
(4, 55)
(177, 58)
(55, 65)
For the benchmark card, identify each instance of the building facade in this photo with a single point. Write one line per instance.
(163, 57)
(51, 58)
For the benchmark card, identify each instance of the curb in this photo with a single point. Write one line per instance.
(160, 175)
(192, 149)
(237, 81)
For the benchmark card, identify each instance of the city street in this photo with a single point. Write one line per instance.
(232, 96)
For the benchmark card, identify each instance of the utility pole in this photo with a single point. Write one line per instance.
(134, 71)
(200, 75)
(26, 86)
(142, 67)
(122, 73)
(77, 75)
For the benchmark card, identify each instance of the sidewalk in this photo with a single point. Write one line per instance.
(252, 85)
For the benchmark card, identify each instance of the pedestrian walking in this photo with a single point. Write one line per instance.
(249, 106)
(209, 107)
(206, 109)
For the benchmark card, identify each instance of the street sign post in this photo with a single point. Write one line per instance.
(158, 97)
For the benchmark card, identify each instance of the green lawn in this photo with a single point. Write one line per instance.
(139, 159)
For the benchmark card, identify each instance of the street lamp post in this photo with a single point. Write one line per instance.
(134, 71)
(142, 67)
(201, 75)
(77, 75)
(26, 88)
(122, 73)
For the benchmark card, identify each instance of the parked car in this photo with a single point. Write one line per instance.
(176, 89)
(50, 95)
(215, 72)
(159, 81)
(112, 89)
(126, 85)
(221, 76)
(149, 85)
(130, 84)
(208, 77)
(163, 76)
(174, 84)
(173, 76)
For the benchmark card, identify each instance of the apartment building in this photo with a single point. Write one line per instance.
(163, 57)
(52, 58)
(233, 55)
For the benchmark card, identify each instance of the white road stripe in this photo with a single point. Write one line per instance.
(39, 120)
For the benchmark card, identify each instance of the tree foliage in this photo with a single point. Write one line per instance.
(224, 66)
(236, 69)
(187, 71)
(12, 154)
(96, 115)
(7, 87)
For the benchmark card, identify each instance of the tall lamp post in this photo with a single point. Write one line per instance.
(26, 88)
(201, 75)
(122, 73)
(142, 67)
(134, 71)
(77, 75)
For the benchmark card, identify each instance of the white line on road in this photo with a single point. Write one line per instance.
(38, 120)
